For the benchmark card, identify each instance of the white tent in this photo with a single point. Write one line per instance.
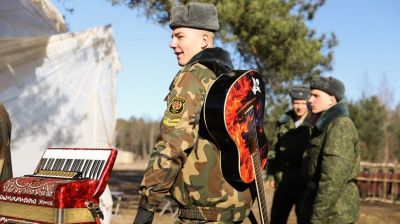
(59, 88)
(59, 91)
(27, 18)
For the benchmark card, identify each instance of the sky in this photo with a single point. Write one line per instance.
(367, 58)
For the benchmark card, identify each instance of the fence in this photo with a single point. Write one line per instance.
(379, 182)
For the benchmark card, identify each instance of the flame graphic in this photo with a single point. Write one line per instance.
(238, 126)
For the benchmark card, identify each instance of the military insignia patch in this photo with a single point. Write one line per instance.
(176, 106)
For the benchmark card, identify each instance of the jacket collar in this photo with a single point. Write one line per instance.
(289, 116)
(284, 118)
(213, 58)
(326, 117)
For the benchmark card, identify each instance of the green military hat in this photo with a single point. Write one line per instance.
(195, 15)
(300, 92)
(330, 85)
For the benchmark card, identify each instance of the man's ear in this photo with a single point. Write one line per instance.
(205, 41)
(333, 99)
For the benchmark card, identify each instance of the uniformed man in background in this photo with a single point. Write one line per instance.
(184, 162)
(285, 159)
(333, 158)
(5, 139)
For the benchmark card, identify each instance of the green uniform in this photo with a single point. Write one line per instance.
(5, 138)
(285, 163)
(333, 164)
(186, 164)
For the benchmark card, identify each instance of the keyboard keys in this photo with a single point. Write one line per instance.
(89, 168)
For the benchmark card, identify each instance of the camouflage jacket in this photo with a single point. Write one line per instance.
(285, 159)
(5, 138)
(334, 163)
(184, 163)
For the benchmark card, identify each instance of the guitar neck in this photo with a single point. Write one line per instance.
(262, 205)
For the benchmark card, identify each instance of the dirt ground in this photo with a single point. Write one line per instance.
(126, 179)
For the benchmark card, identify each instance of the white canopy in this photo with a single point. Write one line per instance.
(27, 18)
(59, 91)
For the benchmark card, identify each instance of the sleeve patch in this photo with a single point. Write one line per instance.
(177, 105)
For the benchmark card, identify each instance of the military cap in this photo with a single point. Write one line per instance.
(329, 85)
(300, 93)
(196, 15)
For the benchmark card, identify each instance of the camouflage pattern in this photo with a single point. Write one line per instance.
(285, 163)
(186, 165)
(333, 164)
(5, 139)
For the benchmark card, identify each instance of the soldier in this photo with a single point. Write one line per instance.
(377, 186)
(5, 139)
(364, 184)
(184, 163)
(285, 160)
(333, 158)
(389, 183)
(397, 187)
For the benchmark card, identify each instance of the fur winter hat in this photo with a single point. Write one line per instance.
(330, 85)
(196, 15)
(300, 93)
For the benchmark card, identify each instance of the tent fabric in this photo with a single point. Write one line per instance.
(60, 91)
(27, 18)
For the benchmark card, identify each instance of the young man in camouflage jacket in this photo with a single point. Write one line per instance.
(184, 163)
(333, 158)
(285, 160)
(5, 138)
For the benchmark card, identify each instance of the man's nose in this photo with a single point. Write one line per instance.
(172, 44)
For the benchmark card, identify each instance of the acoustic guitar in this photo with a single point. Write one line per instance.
(233, 115)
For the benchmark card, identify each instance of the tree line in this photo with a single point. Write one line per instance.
(378, 128)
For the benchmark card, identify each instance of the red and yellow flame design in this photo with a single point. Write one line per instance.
(239, 95)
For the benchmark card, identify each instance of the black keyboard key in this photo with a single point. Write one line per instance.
(94, 167)
(67, 165)
(42, 163)
(99, 169)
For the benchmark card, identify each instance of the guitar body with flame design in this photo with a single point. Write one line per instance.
(233, 116)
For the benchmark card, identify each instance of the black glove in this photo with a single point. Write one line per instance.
(143, 216)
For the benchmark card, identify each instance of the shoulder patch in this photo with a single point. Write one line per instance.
(176, 106)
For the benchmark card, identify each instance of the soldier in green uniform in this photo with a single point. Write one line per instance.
(184, 163)
(285, 160)
(5, 138)
(333, 158)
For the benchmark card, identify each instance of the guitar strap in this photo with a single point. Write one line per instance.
(252, 217)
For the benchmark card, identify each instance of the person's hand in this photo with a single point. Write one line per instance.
(143, 216)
